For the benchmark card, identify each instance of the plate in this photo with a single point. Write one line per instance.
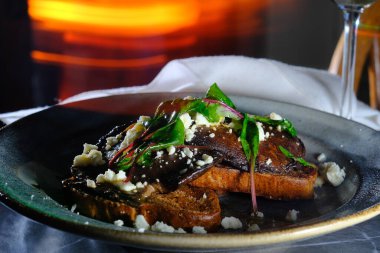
(37, 151)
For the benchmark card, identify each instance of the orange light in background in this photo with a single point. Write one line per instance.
(44, 57)
(98, 44)
(121, 18)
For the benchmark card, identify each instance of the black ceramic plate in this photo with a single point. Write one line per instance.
(37, 151)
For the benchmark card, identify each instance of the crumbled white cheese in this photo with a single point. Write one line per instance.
(292, 215)
(204, 196)
(160, 226)
(188, 152)
(189, 134)
(73, 207)
(90, 183)
(180, 231)
(321, 158)
(260, 214)
(253, 228)
(186, 120)
(132, 134)
(118, 223)
(275, 116)
(112, 141)
(231, 223)
(333, 173)
(201, 120)
(199, 230)
(268, 162)
(200, 163)
(212, 135)
(88, 147)
(159, 154)
(171, 150)
(91, 156)
(117, 179)
(127, 187)
(141, 224)
(140, 185)
(261, 131)
(207, 159)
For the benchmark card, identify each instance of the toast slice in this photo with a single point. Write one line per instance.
(281, 187)
(184, 208)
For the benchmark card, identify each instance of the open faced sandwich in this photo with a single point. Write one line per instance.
(170, 167)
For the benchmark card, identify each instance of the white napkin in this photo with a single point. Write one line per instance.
(239, 75)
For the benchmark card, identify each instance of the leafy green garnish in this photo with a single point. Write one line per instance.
(300, 160)
(249, 138)
(285, 124)
(214, 92)
(171, 134)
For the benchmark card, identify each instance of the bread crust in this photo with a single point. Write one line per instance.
(266, 184)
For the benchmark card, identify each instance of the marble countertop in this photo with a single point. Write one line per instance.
(20, 234)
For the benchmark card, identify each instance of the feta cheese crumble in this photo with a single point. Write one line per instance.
(292, 215)
(160, 226)
(118, 180)
(199, 230)
(171, 150)
(333, 173)
(201, 120)
(132, 134)
(321, 158)
(188, 152)
(90, 156)
(261, 131)
(118, 223)
(231, 223)
(141, 224)
(275, 116)
(90, 183)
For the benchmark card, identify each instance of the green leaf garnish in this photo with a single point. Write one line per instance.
(171, 134)
(214, 92)
(285, 124)
(249, 138)
(300, 160)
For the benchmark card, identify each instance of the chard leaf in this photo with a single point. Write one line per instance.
(214, 92)
(300, 160)
(171, 134)
(125, 163)
(285, 124)
(249, 138)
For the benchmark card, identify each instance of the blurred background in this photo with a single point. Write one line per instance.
(53, 49)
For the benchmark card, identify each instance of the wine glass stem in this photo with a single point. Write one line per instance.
(351, 20)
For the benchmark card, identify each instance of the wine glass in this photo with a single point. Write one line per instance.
(351, 13)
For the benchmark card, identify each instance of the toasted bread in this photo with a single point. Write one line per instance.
(266, 184)
(185, 207)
